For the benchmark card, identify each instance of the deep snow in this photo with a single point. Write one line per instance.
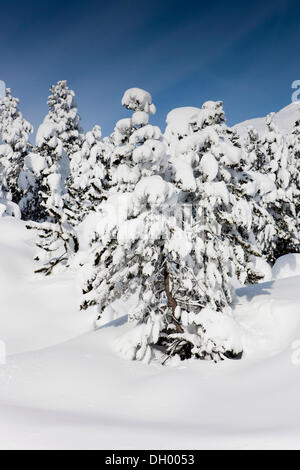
(64, 386)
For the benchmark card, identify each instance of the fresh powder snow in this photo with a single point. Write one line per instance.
(63, 386)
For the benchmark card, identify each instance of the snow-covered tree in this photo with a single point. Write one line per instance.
(206, 169)
(260, 189)
(181, 122)
(49, 165)
(132, 258)
(257, 157)
(63, 113)
(182, 273)
(139, 153)
(138, 145)
(89, 170)
(14, 145)
(293, 142)
(38, 165)
(7, 207)
(31, 183)
(283, 206)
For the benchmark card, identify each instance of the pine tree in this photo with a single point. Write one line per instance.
(283, 207)
(293, 142)
(89, 169)
(57, 239)
(260, 190)
(140, 153)
(38, 165)
(182, 273)
(135, 140)
(133, 259)
(63, 113)
(182, 122)
(30, 182)
(14, 135)
(206, 169)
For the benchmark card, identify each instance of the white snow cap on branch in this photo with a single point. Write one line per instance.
(155, 190)
(178, 121)
(138, 99)
(45, 131)
(35, 163)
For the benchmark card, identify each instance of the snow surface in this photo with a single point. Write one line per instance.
(64, 386)
(284, 120)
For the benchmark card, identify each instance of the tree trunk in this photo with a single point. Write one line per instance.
(171, 301)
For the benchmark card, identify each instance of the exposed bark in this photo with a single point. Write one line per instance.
(171, 301)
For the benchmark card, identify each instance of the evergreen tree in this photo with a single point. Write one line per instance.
(260, 189)
(38, 165)
(206, 169)
(14, 135)
(57, 239)
(283, 207)
(182, 274)
(182, 122)
(135, 140)
(294, 157)
(63, 113)
(89, 169)
(140, 153)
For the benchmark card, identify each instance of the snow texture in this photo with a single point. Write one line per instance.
(284, 120)
(63, 386)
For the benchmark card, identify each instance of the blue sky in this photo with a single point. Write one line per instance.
(183, 52)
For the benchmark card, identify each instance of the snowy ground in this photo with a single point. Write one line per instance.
(63, 386)
(284, 119)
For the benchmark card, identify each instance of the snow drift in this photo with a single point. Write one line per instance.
(63, 386)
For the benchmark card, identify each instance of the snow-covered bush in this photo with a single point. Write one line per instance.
(7, 207)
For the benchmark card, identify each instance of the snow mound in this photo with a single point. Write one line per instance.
(264, 268)
(35, 312)
(286, 266)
